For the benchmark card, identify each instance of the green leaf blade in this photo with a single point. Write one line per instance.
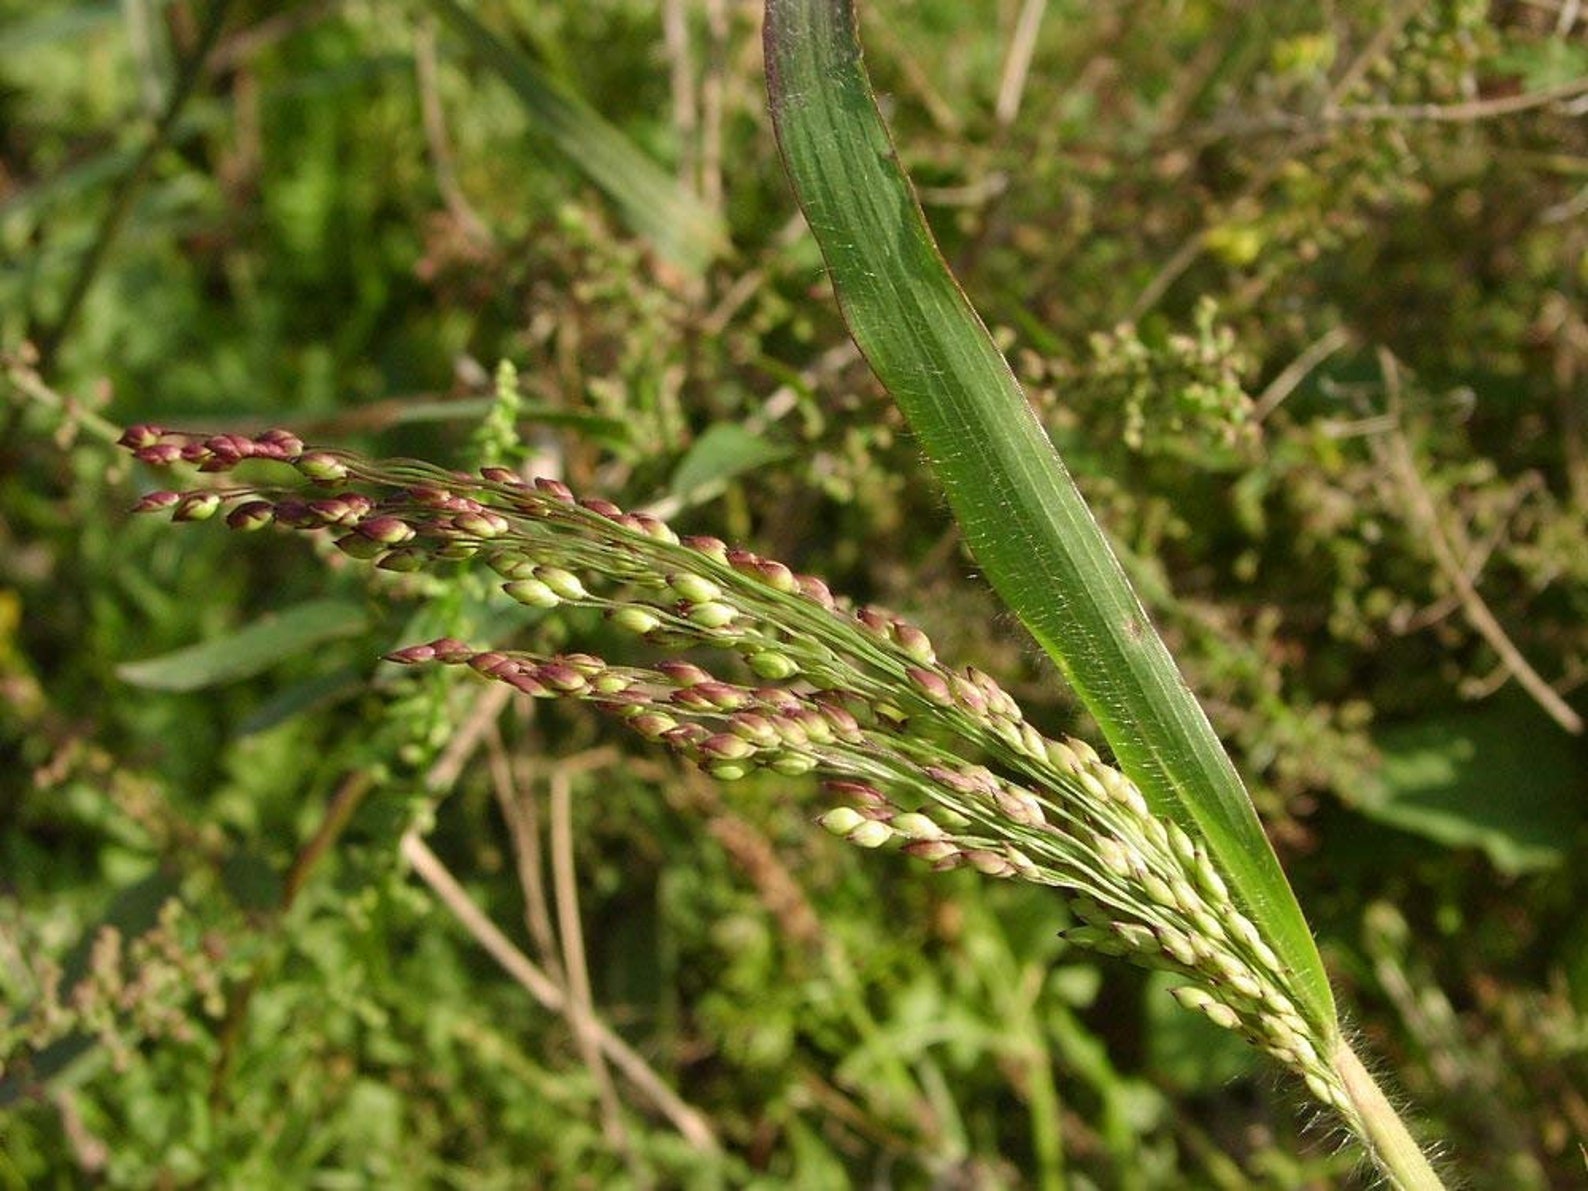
(682, 228)
(250, 650)
(724, 451)
(1022, 516)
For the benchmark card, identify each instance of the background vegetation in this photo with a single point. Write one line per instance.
(1301, 294)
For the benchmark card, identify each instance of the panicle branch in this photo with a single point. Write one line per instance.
(856, 697)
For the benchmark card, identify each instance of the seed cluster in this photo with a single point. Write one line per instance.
(856, 697)
(131, 989)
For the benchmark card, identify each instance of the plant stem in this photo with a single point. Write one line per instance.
(1381, 1129)
(50, 338)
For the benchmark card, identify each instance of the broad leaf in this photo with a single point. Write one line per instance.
(1456, 778)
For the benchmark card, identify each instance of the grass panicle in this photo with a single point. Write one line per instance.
(937, 761)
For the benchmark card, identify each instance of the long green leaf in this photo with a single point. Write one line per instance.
(1021, 514)
(250, 650)
(682, 228)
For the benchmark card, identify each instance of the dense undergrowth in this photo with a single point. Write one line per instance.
(1301, 298)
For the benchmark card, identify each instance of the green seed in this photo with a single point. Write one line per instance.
(693, 588)
(636, 619)
(533, 593)
(564, 583)
(841, 820)
(915, 826)
(872, 833)
(773, 666)
(712, 615)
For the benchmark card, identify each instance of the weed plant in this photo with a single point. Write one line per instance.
(1295, 296)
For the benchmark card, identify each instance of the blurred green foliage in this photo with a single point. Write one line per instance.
(1300, 293)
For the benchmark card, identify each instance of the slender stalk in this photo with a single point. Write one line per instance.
(49, 339)
(1445, 543)
(1381, 1129)
(581, 1000)
(689, 1121)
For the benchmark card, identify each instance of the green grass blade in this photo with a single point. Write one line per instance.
(250, 650)
(1021, 514)
(682, 228)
